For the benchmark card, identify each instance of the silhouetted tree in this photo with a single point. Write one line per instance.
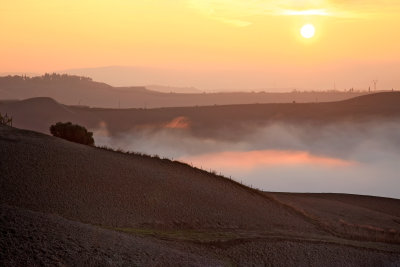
(72, 132)
(47, 78)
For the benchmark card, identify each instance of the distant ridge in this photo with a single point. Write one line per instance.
(391, 98)
(38, 113)
(78, 90)
(174, 89)
(207, 121)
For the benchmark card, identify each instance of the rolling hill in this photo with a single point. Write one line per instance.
(59, 199)
(221, 122)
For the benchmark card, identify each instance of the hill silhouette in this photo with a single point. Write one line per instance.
(77, 90)
(221, 122)
(170, 213)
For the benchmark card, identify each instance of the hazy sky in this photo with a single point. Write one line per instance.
(355, 41)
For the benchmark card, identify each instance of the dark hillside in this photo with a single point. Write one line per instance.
(118, 190)
(36, 239)
(67, 204)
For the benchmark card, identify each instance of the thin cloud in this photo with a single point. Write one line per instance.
(238, 12)
(309, 12)
(234, 22)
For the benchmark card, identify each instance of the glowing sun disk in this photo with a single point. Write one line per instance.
(307, 31)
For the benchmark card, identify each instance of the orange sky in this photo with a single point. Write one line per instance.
(197, 35)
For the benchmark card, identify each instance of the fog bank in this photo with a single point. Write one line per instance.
(360, 158)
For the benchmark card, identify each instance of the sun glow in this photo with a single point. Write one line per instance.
(308, 31)
(311, 12)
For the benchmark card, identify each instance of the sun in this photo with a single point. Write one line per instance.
(307, 31)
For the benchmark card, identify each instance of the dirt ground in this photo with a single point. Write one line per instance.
(66, 204)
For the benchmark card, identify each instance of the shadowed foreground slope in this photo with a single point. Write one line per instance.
(31, 238)
(37, 239)
(63, 203)
(112, 189)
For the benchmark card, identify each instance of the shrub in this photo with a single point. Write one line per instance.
(6, 120)
(72, 132)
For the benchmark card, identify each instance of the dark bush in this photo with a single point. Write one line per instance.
(6, 120)
(72, 132)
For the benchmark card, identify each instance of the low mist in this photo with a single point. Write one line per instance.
(357, 158)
